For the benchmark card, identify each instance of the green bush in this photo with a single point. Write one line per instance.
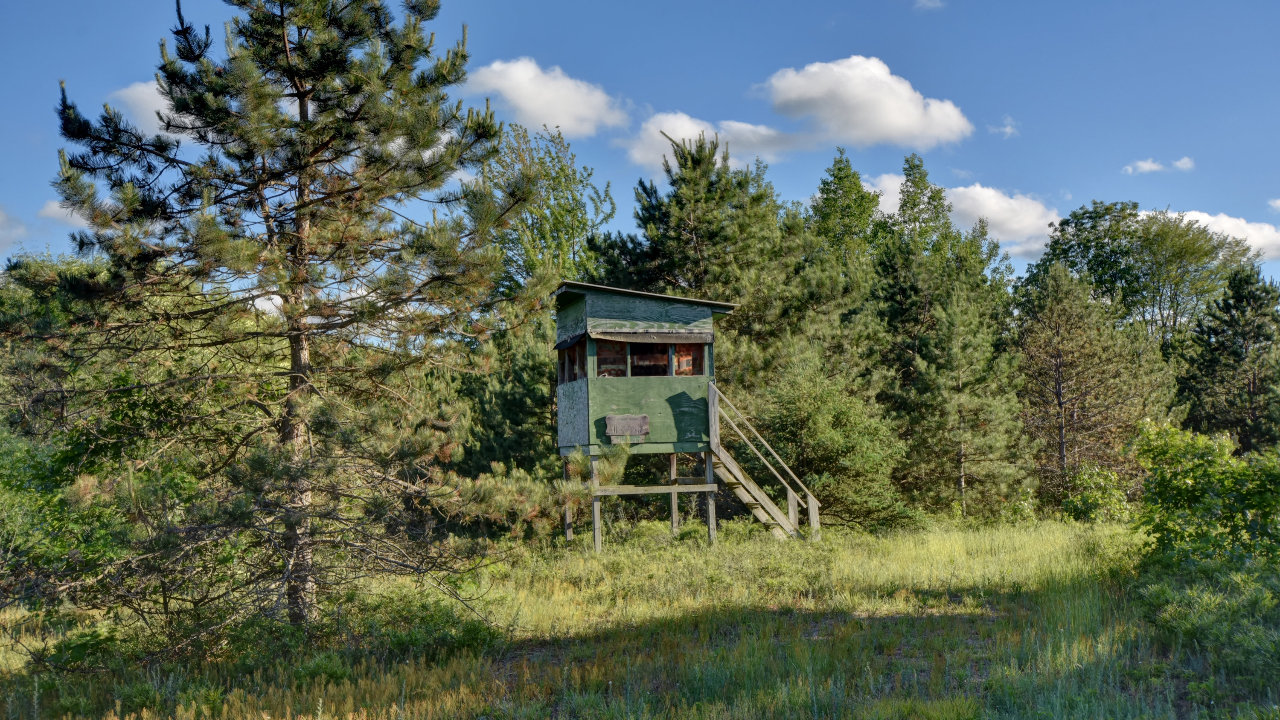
(837, 442)
(1201, 502)
(1096, 495)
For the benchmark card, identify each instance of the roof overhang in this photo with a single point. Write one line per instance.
(581, 288)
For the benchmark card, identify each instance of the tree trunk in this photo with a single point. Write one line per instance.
(299, 560)
(299, 564)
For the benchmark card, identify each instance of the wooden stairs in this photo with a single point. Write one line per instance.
(781, 524)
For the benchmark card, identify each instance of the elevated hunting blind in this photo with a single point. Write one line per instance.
(638, 369)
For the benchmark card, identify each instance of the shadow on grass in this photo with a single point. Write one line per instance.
(1061, 651)
(1067, 648)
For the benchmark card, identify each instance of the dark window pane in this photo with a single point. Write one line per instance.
(649, 360)
(580, 367)
(689, 359)
(611, 359)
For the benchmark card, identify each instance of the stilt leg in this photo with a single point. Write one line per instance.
(675, 498)
(595, 508)
(711, 500)
(568, 514)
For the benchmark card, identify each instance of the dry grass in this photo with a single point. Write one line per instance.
(945, 623)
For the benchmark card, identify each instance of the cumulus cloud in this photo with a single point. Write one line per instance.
(1150, 165)
(1007, 128)
(548, 97)
(141, 101)
(1139, 167)
(745, 140)
(858, 101)
(1263, 237)
(1020, 222)
(1275, 204)
(889, 185)
(54, 211)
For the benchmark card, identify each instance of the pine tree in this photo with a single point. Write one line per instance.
(1232, 381)
(934, 284)
(843, 210)
(965, 429)
(1089, 382)
(282, 303)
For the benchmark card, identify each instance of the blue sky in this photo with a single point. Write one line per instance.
(1023, 110)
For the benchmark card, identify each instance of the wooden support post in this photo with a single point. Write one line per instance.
(675, 498)
(596, 538)
(793, 508)
(815, 528)
(568, 514)
(711, 501)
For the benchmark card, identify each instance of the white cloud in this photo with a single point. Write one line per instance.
(858, 101)
(141, 101)
(1275, 204)
(889, 185)
(1020, 222)
(1263, 237)
(928, 4)
(1139, 167)
(1007, 128)
(745, 140)
(11, 230)
(548, 97)
(1184, 163)
(54, 211)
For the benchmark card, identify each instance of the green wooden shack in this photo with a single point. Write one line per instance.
(639, 368)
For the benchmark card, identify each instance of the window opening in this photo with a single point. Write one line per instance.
(689, 359)
(650, 360)
(611, 358)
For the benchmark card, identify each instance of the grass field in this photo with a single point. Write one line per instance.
(1021, 622)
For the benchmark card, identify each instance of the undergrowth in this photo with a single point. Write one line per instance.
(946, 622)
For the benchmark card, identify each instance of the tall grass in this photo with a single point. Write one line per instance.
(1027, 621)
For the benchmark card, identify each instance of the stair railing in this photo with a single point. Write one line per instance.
(717, 401)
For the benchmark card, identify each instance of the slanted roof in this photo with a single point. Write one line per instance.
(581, 288)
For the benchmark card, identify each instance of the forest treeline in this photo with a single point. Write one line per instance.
(307, 338)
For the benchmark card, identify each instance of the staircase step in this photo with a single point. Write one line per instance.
(763, 508)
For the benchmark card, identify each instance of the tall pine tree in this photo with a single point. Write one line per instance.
(280, 302)
(1089, 381)
(1232, 381)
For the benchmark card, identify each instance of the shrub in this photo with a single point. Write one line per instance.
(838, 443)
(1096, 495)
(1199, 501)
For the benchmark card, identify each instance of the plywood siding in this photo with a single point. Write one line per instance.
(573, 414)
(571, 320)
(622, 313)
(676, 406)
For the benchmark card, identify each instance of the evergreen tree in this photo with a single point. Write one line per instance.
(935, 285)
(843, 210)
(279, 309)
(964, 430)
(1232, 380)
(1088, 383)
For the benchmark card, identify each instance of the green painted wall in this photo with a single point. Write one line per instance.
(622, 312)
(676, 406)
(572, 414)
(571, 319)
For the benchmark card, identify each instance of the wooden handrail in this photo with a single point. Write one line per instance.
(776, 474)
(721, 396)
